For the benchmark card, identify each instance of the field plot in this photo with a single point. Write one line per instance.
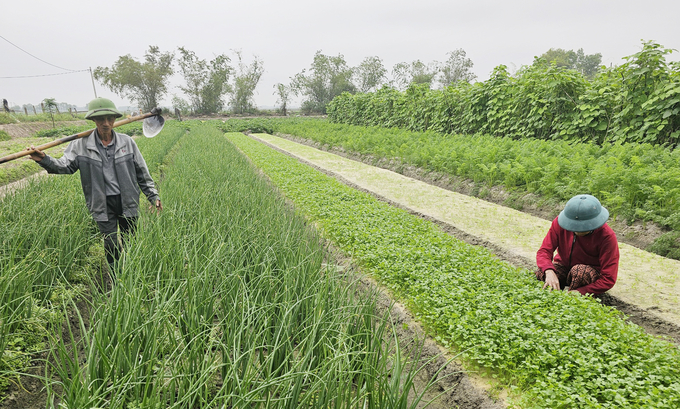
(554, 349)
(228, 298)
(50, 258)
(645, 280)
(224, 299)
(635, 181)
(20, 168)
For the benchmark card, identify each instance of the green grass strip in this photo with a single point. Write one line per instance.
(561, 351)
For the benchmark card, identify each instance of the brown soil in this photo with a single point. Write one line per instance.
(28, 129)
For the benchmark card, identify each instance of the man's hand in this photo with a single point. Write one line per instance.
(551, 280)
(38, 155)
(158, 207)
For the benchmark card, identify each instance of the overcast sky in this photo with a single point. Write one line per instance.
(79, 34)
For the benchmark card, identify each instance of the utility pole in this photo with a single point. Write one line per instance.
(92, 78)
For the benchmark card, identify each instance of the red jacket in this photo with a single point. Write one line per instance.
(599, 249)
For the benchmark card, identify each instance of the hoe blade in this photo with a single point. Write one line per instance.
(153, 125)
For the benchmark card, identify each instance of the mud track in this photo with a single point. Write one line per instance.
(28, 129)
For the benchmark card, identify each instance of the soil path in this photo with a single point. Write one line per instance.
(28, 129)
(648, 285)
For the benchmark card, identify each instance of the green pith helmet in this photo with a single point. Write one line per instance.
(583, 213)
(102, 107)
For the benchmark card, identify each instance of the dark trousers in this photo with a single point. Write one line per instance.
(109, 229)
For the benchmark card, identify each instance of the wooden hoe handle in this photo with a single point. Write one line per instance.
(73, 137)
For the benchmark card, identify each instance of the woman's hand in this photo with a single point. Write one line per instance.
(551, 280)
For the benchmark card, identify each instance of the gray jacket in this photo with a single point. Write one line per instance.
(133, 175)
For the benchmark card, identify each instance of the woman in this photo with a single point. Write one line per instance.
(587, 259)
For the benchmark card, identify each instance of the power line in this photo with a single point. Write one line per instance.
(46, 75)
(39, 59)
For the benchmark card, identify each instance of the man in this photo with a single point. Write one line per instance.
(112, 173)
(587, 259)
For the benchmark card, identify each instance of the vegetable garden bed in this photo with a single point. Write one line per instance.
(560, 351)
(223, 300)
(216, 251)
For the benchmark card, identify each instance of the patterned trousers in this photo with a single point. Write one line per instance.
(578, 276)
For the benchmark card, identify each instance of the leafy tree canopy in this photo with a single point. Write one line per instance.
(142, 82)
(206, 81)
(245, 81)
(283, 97)
(370, 74)
(416, 72)
(327, 78)
(586, 64)
(457, 68)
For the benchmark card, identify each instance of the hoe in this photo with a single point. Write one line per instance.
(152, 125)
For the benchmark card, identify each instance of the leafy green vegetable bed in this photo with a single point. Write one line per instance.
(561, 351)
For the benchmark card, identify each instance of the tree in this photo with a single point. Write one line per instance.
(456, 68)
(416, 72)
(559, 57)
(328, 77)
(245, 82)
(588, 65)
(180, 104)
(50, 105)
(206, 81)
(283, 94)
(573, 60)
(370, 74)
(142, 82)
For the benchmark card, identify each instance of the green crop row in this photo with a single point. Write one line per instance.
(556, 350)
(638, 101)
(46, 238)
(224, 300)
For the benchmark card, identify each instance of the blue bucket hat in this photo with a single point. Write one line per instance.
(583, 213)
